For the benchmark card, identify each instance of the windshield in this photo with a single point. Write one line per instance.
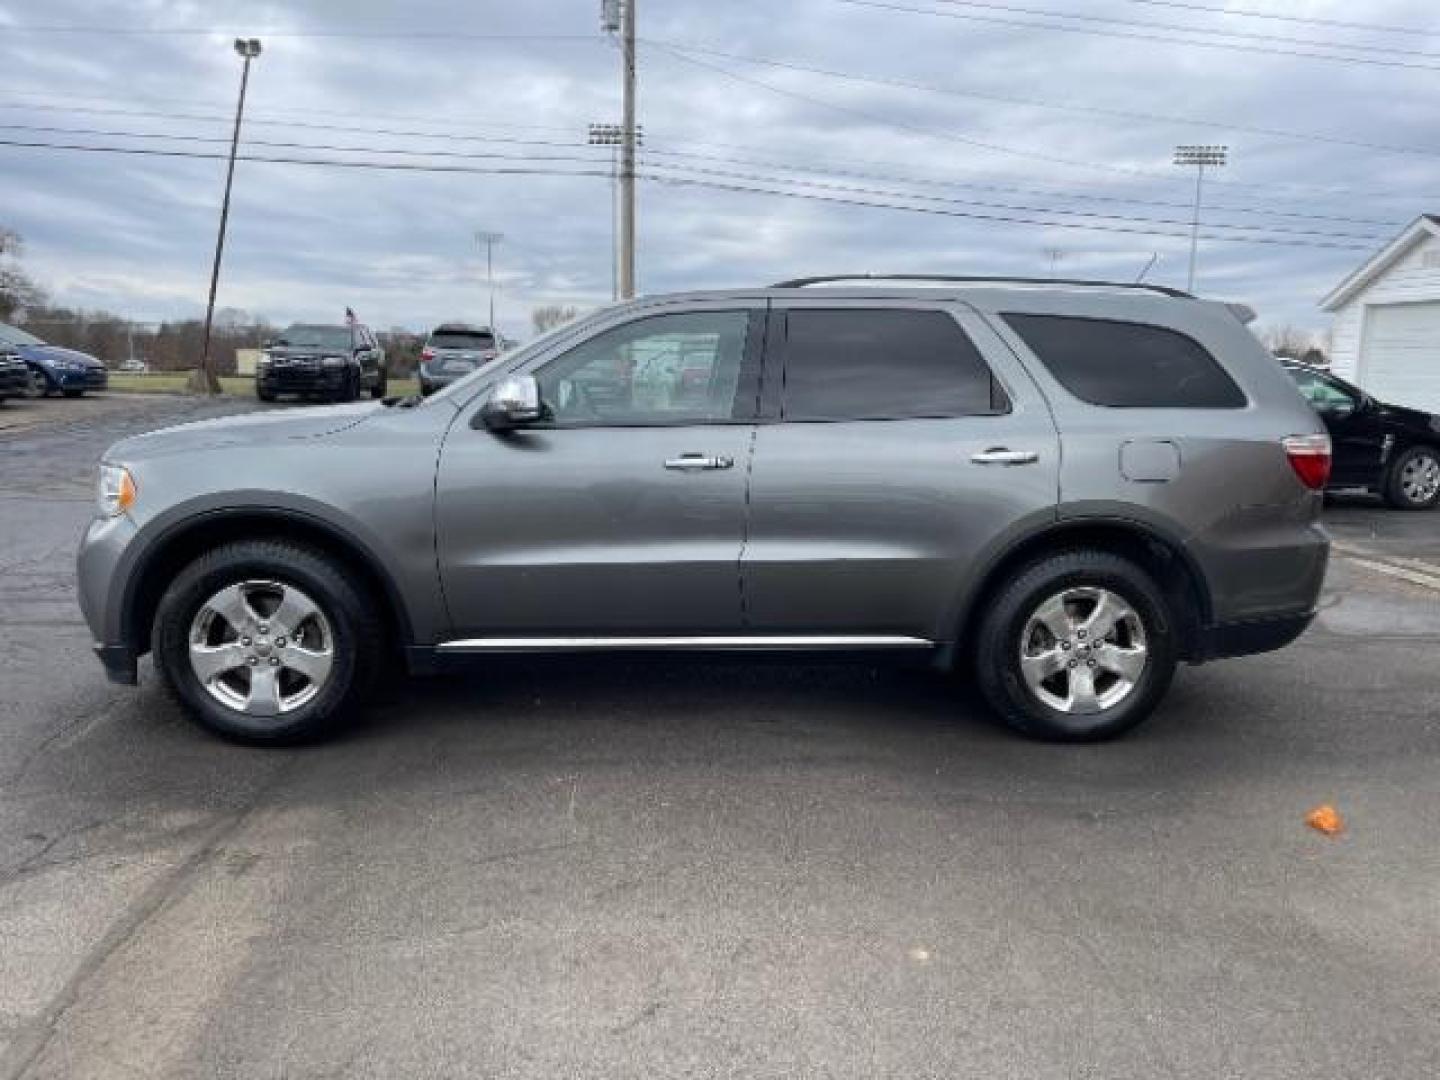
(11, 335)
(462, 339)
(315, 337)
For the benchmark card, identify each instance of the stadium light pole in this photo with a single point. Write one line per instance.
(1199, 157)
(490, 239)
(205, 380)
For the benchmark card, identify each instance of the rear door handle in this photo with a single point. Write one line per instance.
(699, 462)
(1000, 456)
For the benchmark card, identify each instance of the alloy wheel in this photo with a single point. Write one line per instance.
(263, 648)
(1420, 478)
(1083, 650)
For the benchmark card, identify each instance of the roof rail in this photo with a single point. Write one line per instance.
(979, 279)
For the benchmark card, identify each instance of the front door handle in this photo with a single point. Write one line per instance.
(1000, 456)
(699, 462)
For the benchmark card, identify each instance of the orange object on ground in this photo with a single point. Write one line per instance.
(1325, 819)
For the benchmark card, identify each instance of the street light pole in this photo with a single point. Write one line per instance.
(204, 380)
(490, 239)
(1198, 156)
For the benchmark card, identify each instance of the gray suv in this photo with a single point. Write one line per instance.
(1064, 488)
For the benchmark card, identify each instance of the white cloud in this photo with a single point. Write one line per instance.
(134, 234)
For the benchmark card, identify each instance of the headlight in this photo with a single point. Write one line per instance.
(333, 361)
(117, 490)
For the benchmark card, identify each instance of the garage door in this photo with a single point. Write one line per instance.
(1402, 354)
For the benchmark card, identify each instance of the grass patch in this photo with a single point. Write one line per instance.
(173, 382)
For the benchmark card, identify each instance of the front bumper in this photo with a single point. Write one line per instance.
(97, 378)
(14, 379)
(120, 663)
(302, 380)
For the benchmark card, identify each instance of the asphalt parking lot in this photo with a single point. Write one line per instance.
(606, 868)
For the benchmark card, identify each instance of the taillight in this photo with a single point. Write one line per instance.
(1310, 458)
(427, 353)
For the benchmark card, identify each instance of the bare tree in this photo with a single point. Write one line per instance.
(1285, 340)
(17, 291)
(550, 316)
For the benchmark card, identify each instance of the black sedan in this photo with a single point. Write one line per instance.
(1388, 449)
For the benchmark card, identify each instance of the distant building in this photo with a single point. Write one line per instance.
(1386, 334)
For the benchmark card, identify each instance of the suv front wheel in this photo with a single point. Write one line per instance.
(265, 642)
(1076, 647)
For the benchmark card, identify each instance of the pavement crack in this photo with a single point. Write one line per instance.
(32, 1042)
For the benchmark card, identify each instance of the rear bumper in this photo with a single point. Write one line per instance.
(1251, 637)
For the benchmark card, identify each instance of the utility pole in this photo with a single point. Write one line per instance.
(1198, 156)
(204, 380)
(611, 135)
(490, 239)
(627, 151)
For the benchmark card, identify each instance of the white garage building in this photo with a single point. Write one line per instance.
(1386, 334)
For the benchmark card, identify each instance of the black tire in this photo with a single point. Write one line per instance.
(1423, 458)
(378, 390)
(264, 395)
(350, 389)
(72, 393)
(1002, 636)
(357, 638)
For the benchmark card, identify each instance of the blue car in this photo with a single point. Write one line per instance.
(53, 369)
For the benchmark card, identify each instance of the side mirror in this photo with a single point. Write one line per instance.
(513, 403)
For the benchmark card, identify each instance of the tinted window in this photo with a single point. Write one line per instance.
(1127, 365)
(668, 369)
(882, 364)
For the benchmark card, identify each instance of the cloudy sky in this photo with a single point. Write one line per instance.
(782, 137)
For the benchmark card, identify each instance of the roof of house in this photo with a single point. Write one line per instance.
(1423, 226)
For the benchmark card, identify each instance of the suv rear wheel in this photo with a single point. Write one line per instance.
(1413, 482)
(1077, 647)
(265, 642)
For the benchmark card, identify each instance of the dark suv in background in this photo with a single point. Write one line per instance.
(1386, 449)
(335, 362)
(454, 350)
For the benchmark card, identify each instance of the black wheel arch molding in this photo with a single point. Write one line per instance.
(1152, 544)
(163, 546)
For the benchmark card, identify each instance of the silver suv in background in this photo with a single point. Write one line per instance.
(1065, 488)
(454, 350)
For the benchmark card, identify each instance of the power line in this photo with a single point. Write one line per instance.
(397, 166)
(526, 170)
(1014, 207)
(1121, 114)
(1309, 20)
(720, 159)
(198, 31)
(1010, 219)
(679, 52)
(1242, 35)
(996, 20)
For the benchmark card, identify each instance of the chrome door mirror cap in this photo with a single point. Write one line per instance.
(513, 403)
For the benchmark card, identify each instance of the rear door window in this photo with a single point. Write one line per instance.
(882, 364)
(1127, 365)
